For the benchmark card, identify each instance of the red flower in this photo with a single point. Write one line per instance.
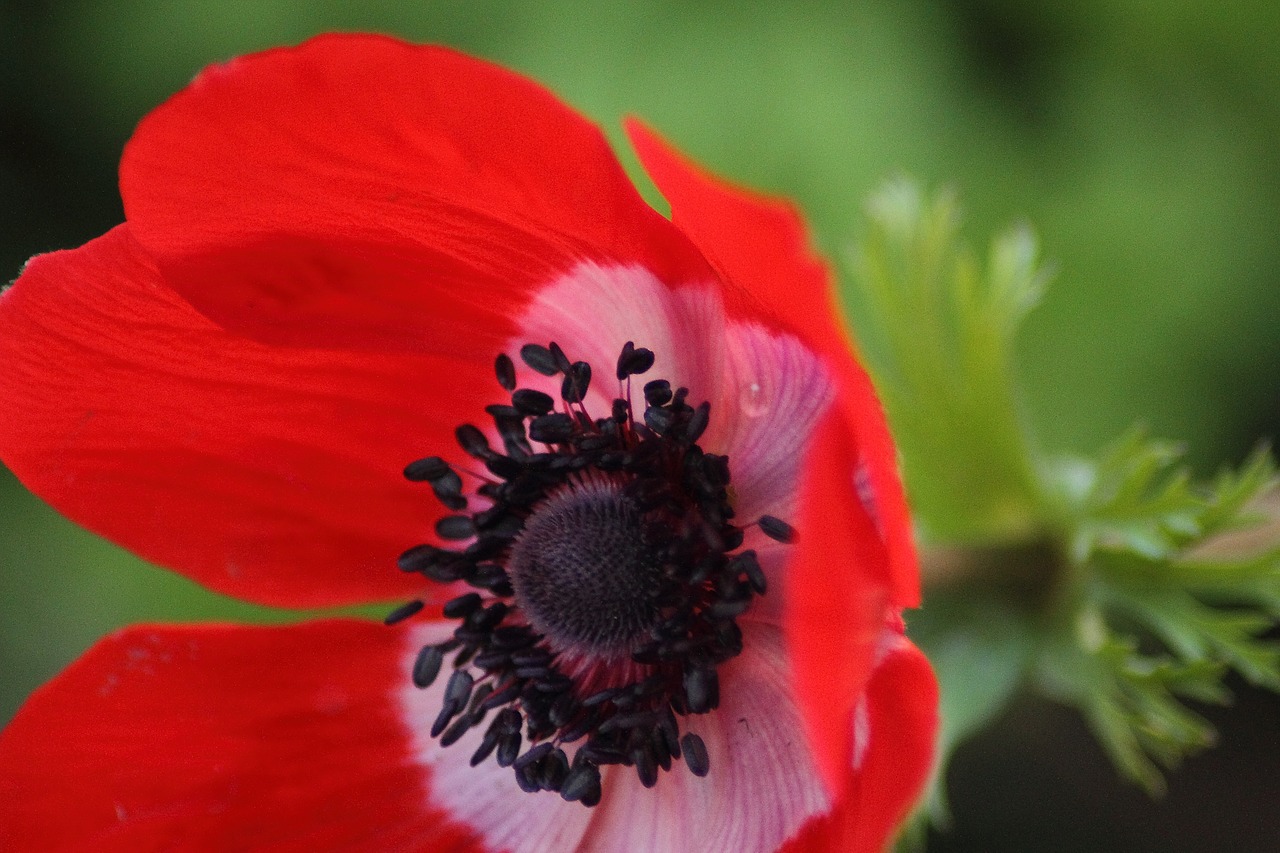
(325, 248)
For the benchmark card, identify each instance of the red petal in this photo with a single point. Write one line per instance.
(358, 189)
(222, 738)
(835, 599)
(760, 246)
(899, 726)
(272, 474)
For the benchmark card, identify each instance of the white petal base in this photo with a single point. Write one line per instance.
(761, 789)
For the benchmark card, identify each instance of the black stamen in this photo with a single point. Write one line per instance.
(403, 612)
(526, 778)
(447, 713)
(424, 470)
(454, 733)
(695, 754)
(776, 528)
(657, 392)
(508, 748)
(554, 770)
(747, 564)
(576, 380)
(532, 403)
(561, 360)
(697, 423)
(506, 370)
(504, 467)
(455, 527)
(702, 690)
(418, 558)
(540, 359)
(659, 420)
(472, 440)
(534, 755)
(487, 745)
(509, 722)
(552, 429)
(448, 490)
(646, 765)
(462, 606)
(634, 361)
(582, 779)
(458, 689)
(427, 665)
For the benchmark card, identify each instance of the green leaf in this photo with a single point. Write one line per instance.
(1164, 605)
(937, 329)
(1228, 502)
(1130, 701)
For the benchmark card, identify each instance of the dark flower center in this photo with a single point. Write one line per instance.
(584, 571)
(606, 580)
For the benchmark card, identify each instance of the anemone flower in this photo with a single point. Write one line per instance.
(389, 323)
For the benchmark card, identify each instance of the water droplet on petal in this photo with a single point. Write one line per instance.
(751, 399)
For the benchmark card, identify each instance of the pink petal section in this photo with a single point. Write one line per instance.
(269, 473)
(775, 391)
(762, 785)
(222, 738)
(593, 310)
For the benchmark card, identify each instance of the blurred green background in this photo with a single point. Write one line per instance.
(1138, 137)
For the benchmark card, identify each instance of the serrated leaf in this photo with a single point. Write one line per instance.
(1129, 701)
(1233, 491)
(1164, 608)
